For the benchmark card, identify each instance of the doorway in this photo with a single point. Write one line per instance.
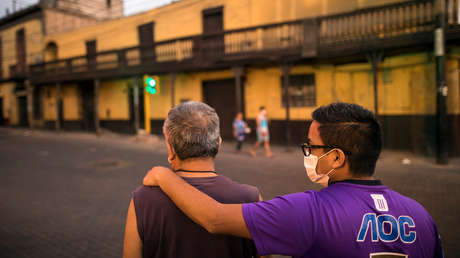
(22, 111)
(1, 111)
(221, 95)
(141, 107)
(87, 105)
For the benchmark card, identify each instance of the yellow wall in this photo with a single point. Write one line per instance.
(410, 85)
(33, 38)
(187, 87)
(71, 102)
(406, 87)
(10, 104)
(264, 88)
(113, 100)
(49, 102)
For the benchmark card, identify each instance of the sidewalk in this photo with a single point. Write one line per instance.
(280, 152)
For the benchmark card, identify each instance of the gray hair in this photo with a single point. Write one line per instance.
(193, 130)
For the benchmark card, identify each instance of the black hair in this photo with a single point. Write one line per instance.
(356, 130)
(261, 108)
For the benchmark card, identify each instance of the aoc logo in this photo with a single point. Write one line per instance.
(403, 228)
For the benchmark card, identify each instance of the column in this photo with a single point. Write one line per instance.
(137, 82)
(97, 83)
(173, 91)
(58, 107)
(286, 69)
(30, 104)
(239, 73)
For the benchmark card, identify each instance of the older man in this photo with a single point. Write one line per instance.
(354, 216)
(155, 227)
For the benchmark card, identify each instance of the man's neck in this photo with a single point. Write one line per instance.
(349, 176)
(202, 167)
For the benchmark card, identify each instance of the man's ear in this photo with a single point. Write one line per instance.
(171, 152)
(220, 143)
(339, 158)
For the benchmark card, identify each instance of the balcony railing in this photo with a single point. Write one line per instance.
(17, 71)
(391, 26)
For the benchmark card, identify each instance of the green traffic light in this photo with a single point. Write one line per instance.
(151, 90)
(151, 83)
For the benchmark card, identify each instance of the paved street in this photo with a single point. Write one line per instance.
(66, 195)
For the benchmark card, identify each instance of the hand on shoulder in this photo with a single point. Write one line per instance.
(152, 177)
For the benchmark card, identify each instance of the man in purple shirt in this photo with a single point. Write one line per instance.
(354, 216)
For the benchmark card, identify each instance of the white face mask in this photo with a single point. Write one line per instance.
(310, 164)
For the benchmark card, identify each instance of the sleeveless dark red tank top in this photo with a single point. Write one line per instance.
(166, 232)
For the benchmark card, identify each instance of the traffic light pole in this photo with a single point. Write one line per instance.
(137, 85)
(146, 110)
(442, 129)
(286, 82)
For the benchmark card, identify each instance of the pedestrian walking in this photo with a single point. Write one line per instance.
(240, 128)
(263, 135)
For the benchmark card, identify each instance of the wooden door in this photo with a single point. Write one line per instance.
(87, 102)
(22, 108)
(1, 111)
(20, 51)
(140, 106)
(91, 52)
(146, 40)
(213, 23)
(221, 96)
(37, 102)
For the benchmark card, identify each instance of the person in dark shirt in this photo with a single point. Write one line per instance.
(155, 227)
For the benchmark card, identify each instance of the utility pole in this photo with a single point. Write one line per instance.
(137, 85)
(375, 58)
(286, 82)
(442, 130)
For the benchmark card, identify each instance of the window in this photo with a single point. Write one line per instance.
(109, 3)
(213, 21)
(302, 91)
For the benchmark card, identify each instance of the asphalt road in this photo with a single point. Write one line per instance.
(66, 195)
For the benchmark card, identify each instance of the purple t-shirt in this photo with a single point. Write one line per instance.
(347, 219)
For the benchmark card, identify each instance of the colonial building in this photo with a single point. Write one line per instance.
(290, 56)
(22, 43)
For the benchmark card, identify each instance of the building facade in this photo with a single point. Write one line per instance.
(22, 43)
(290, 56)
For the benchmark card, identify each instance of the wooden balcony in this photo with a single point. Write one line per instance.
(17, 72)
(393, 26)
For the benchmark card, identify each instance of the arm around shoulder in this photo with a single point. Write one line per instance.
(213, 216)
